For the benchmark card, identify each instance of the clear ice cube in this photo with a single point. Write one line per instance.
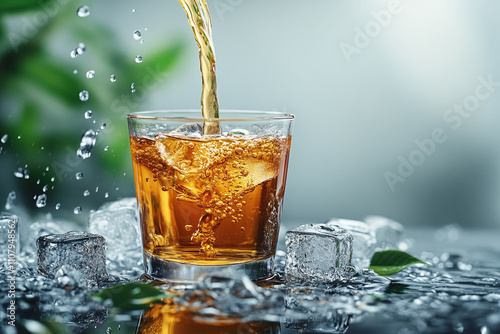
(192, 130)
(389, 233)
(118, 222)
(9, 237)
(363, 243)
(318, 253)
(83, 251)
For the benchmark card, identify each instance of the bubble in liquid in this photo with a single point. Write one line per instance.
(58, 206)
(137, 35)
(86, 193)
(79, 175)
(22, 173)
(4, 138)
(112, 78)
(138, 59)
(88, 114)
(41, 201)
(11, 199)
(90, 74)
(84, 95)
(86, 144)
(77, 210)
(83, 11)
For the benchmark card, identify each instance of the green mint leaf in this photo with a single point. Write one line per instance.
(390, 262)
(131, 296)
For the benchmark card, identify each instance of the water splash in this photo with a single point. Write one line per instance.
(88, 114)
(83, 95)
(41, 201)
(90, 74)
(86, 144)
(83, 11)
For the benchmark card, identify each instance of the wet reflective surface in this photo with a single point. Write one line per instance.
(458, 293)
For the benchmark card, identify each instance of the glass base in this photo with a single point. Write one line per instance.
(168, 271)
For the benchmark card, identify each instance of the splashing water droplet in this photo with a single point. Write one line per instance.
(4, 138)
(77, 210)
(41, 201)
(90, 74)
(133, 10)
(142, 41)
(75, 71)
(22, 173)
(58, 206)
(138, 59)
(38, 181)
(11, 199)
(88, 114)
(74, 54)
(79, 175)
(106, 195)
(86, 144)
(86, 193)
(112, 78)
(106, 148)
(137, 35)
(132, 87)
(52, 179)
(81, 48)
(84, 95)
(83, 11)
(103, 126)
(45, 188)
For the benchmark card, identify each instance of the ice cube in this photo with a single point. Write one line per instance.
(9, 237)
(363, 243)
(118, 222)
(388, 232)
(192, 130)
(83, 251)
(318, 253)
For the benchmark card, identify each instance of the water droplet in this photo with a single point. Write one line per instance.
(77, 210)
(106, 148)
(103, 126)
(41, 201)
(138, 59)
(83, 11)
(84, 95)
(96, 189)
(4, 138)
(11, 198)
(45, 188)
(86, 193)
(75, 72)
(74, 54)
(79, 175)
(132, 87)
(86, 144)
(137, 35)
(22, 173)
(112, 78)
(145, 29)
(133, 10)
(47, 168)
(142, 41)
(109, 330)
(58, 206)
(52, 179)
(90, 74)
(88, 114)
(81, 48)
(18, 137)
(38, 181)
(106, 195)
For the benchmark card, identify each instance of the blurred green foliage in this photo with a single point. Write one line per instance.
(39, 87)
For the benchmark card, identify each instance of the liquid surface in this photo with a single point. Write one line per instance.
(214, 200)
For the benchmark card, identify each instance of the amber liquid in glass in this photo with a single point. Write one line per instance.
(213, 200)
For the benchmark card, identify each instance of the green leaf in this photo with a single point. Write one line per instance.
(131, 296)
(16, 6)
(390, 262)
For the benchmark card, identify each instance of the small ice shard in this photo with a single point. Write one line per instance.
(388, 232)
(318, 253)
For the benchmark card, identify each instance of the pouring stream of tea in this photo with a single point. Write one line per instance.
(201, 23)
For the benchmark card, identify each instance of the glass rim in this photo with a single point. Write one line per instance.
(185, 115)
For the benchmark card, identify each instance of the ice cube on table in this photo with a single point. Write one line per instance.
(118, 222)
(9, 237)
(318, 253)
(363, 243)
(389, 233)
(85, 252)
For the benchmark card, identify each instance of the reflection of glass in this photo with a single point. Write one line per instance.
(167, 319)
(209, 202)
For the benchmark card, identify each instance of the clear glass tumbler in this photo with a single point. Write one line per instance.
(209, 202)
